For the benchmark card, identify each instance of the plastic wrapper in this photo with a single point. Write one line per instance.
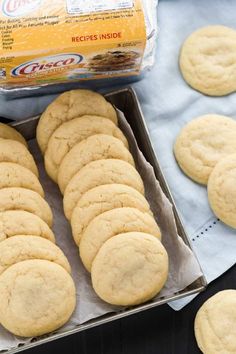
(76, 43)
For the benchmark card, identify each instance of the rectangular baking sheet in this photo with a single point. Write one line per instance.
(126, 101)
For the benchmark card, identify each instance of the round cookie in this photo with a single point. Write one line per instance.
(111, 223)
(71, 133)
(202, 143)
(15, 175)
(36, 297)
(215, 325)
(96, 147)
(103, 198)
(13, 151)
(207, 60)
(222, 190)
(20, 248)
(25, 199)
(8, 132)
(20, 222)
(70, 105)
(130, 269)
(97, 173)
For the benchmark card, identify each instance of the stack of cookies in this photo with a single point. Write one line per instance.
(205, 149)
(32, 268)
(87, 155)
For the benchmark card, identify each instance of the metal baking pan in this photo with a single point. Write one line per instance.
(125, 100)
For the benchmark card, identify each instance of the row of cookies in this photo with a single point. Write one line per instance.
(205, 149)
(204, 146)
(30, 262)
(88, 156)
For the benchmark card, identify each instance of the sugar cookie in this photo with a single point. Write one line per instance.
(25, 199)
(222, 190)
(208, 59)
(15, 175)
(103, 198)
(97, 173)
(215, 324)
(20, 222)
(20, 248)
(69, 105)
(202, 143)
(96, 147)
(36, 297)
(13, 151)
(71, 133)
(129, 269)
(111, 223)
(8, 132)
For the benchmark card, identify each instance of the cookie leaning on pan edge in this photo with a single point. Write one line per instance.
(21, 222)
(97, 173)
(20, 248)
(130, 269)
(8, 132)
(111, 223)
(96, 147)
(70, 133)
(13, 151)
(69, 105)
(103, 198)
(25, 199)
(15, 175)
(52, 300)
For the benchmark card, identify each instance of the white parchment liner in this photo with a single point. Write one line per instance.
(183, 267)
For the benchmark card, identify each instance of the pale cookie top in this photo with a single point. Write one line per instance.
(20, 222)
(15, 175)
(215, 324)
(111, 223)
(20, 248)
(71, 133)
(222, 190)
(202, 143)
(103, 198)
(15, 198)
(13, 151)
(208, 60)
(96, 147)
(36, 297)
(130, 269)
(8, 132)
(97, 173)
(69, 105)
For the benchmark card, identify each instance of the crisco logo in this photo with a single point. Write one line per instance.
(51, 63)
(15, 8)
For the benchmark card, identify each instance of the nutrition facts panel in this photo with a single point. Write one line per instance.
(85, 7)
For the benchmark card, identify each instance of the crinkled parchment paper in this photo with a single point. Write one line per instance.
(184, 268)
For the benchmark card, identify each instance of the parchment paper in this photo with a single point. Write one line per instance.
(183, 266)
